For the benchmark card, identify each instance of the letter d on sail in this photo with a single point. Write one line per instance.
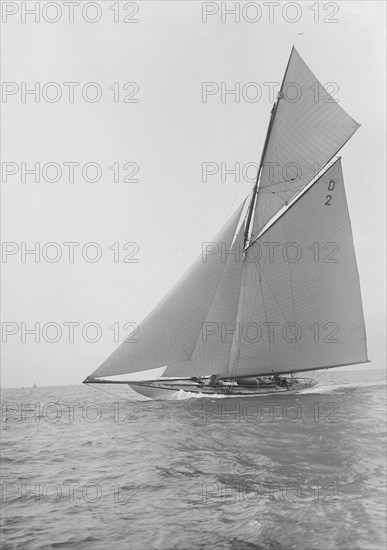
(331, 185)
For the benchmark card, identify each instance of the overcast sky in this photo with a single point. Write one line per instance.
(168, 133)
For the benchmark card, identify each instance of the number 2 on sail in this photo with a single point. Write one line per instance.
(331, 187)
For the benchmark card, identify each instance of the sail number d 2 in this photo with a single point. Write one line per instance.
(331, 187)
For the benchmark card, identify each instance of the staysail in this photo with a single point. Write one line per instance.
(300, 303)
(212, 355)
(307, 129)
(171, 331)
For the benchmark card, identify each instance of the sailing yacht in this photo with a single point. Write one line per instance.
(276, 292)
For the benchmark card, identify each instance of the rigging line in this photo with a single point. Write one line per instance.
(273, 135)
(251, 149)
(303, 190)
(246, 313)
(240, 298)
(250, 143)
(265, 206)
(264, 309)
(246, 299)
(254, 200)
(151, 368)
(319, 374)
(105, 391)
(275, 152)
(265, 188)
(241, 308)
(247, 309)
(279, 307)
(292, 294)
(242, 182)
(239, 319)
(245, 155)
(192, 365)
(317, 175)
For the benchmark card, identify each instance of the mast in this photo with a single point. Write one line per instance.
(255, 188)
(268, 133)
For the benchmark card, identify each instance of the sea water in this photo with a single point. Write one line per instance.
(103, 468)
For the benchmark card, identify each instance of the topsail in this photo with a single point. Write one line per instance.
(307, 128)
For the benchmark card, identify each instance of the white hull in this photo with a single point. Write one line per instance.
(152, 392)
(170, 389)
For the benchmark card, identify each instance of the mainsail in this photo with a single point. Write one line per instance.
(171, 331)
(307, 129)
(300, 305)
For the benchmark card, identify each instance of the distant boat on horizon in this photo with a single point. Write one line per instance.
(279, 291)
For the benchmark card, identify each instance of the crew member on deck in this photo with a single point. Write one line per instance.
(214, 381)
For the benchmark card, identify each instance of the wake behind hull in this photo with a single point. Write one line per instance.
(159, 389)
